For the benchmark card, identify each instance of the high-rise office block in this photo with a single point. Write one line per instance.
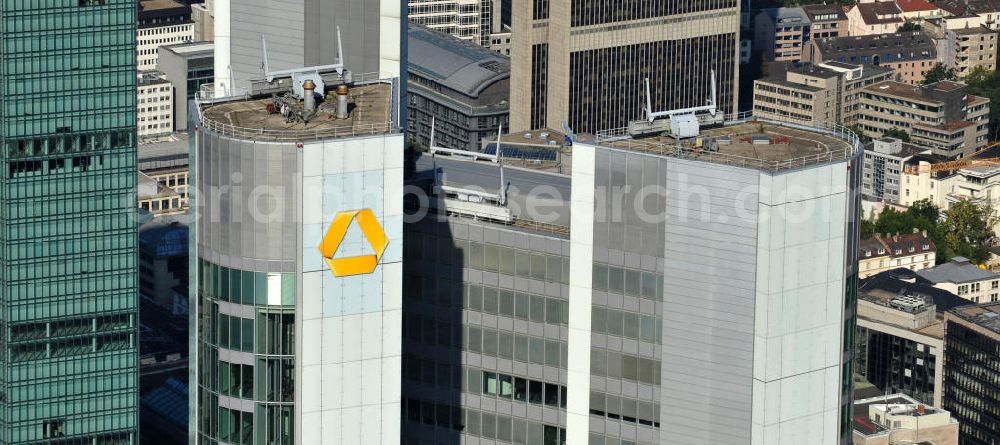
(971, 368)
(465, 19)
(304, 33)
(296, 276)
(644, 291)
(584, 61)
(68, 223)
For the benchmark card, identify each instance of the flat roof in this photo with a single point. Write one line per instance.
(865, 426)
(785, 147)
(154, 5)
(191, 48)
(900, 89)
(370, 113)
(985, 315)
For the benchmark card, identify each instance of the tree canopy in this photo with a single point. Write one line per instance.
(939, 72)
(897, 133)
(986, 83)
(966, 229)
(909, 26)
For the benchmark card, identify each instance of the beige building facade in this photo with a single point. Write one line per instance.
(584, 63)
(941, 116)
(821, 94)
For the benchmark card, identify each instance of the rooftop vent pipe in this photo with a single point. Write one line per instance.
(309, 95)
(342, 102)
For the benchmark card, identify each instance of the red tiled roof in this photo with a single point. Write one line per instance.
(915, 5)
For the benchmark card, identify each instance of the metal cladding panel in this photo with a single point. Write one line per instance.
(281, 21)
(247, 197)
(708, 317)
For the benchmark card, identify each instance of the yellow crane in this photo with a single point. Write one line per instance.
(955, 165)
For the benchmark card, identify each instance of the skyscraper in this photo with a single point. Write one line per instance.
(584, 61)
(636, 290)
(304, 33)
(297, 275)
(68, 301)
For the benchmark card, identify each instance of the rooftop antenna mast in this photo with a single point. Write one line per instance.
(710, 107)
(503, 184)
(270, 75)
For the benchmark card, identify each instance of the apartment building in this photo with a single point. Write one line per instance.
(461, 87)
(941, 116)
(878, 17)
(160, 22)
(584, 63)
(913, 251)
(154, 105)
(970, 13)
(971, 367)
(822, 94)
(960, 277)
(908, 54)
(900, 334)
(826, 20)
(779, 33)
(899, 419)
(968, 48)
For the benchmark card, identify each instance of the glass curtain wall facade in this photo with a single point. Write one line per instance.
(68, 300)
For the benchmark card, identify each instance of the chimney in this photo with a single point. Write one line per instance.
(924, 233)
(342, 102)
(916, 230)
(309, 95)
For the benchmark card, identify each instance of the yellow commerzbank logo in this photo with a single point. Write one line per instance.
(355, 265)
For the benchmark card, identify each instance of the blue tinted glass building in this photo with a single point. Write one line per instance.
(68, 301)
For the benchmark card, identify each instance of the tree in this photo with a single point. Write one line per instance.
(968, 228)
(897, 133)
(938, 73)
(909, 26)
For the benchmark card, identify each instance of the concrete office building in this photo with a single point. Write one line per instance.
(598, 322)
(203, 16)
(304, 33)
(161, 22)
(460, 86)
(70, 311)
(941, 116)
(971, 365)
(780, 32)
(900, 334)
(187, 66)
(826, 20)
(821, 94)
(155, 102)
(464, 19)
(296, 287)
(584, 62)
(885, 161)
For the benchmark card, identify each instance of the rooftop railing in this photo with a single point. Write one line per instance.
(209, 95)
(852, 146)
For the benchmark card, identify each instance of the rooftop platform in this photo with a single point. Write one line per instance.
(763, 145)
(248, 117)
(984, 315)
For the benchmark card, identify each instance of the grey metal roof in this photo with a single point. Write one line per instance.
(958, 270)
(457, 64)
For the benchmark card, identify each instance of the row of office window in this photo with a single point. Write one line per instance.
(626, 409)
(630, 282)
(488, 257)
(487, 425)
(616, 365)
(246, 287)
